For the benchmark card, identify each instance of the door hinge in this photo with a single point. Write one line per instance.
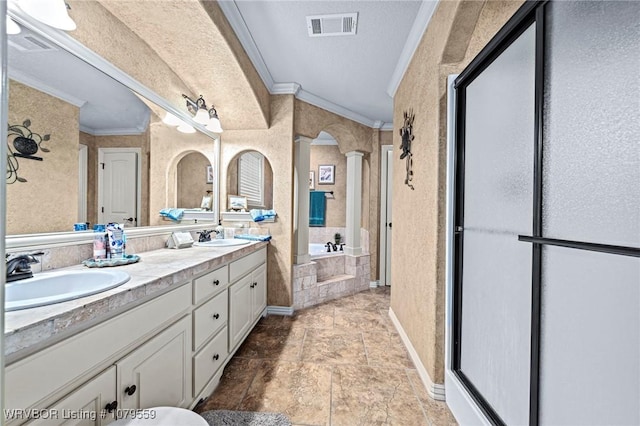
(102, 208)
(102, 165)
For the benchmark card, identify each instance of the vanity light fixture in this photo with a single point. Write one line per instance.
(214, 122)
(51, 12)
(12, 27)
(202, 115)
(186, 128)
(171, 120)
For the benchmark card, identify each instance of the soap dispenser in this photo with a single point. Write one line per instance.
(219, 231)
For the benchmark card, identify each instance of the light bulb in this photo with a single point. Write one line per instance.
(186, 128)
(214, 125)
(12, 27)
(171, 120)
(202, 116)
(51, 12)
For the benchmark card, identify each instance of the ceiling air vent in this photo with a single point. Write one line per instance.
(332, 25)
(29, 43)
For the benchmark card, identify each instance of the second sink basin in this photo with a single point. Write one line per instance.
(47, 288)
(222, 243)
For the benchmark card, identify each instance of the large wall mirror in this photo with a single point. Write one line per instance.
(94, 160)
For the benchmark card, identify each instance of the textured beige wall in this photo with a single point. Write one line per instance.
(192, 180)
(276, 144)
(48, 201)
(188, 35)
(336, 206)
(419, 225)
(168, 147)
(351, 136)
(93, 144)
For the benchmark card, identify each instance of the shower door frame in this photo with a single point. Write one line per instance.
(532, 12)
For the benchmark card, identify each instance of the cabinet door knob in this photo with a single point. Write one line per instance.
(216, 316)
(130, 390)
(216, 357)
(216, 282)
(111, 406)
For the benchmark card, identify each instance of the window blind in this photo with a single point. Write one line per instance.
(251, 178)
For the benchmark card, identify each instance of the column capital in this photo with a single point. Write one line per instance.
(302, 139)
(354, 154)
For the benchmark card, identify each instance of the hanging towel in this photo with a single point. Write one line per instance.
(317, 208)
(173, 214)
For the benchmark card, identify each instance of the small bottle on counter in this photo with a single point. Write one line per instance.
(99, 242)
(219, 231)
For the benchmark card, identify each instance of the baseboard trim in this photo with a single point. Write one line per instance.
(435, 390)
(280, 310)
(374, 284)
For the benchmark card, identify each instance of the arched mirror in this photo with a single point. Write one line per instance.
(194, 182)
(250, 176)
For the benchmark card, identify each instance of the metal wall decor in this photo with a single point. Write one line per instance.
(25, 143)
(406, 132)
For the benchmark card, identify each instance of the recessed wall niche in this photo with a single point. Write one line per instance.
(250, 175)
(192, 180)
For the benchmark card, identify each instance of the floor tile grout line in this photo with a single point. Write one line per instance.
(415, 394)
(331, 396)
(253, 377)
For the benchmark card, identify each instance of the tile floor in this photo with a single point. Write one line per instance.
(339, 363)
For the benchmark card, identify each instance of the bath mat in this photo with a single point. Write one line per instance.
(244, 418)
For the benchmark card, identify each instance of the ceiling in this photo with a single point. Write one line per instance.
(352, 75)
(106, 106)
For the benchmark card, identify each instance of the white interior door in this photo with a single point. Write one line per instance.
(82, 182)
(386, 188)
(118, 187)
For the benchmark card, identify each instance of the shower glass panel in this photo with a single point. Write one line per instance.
(591, 127)
(590, 340)
(496, 278)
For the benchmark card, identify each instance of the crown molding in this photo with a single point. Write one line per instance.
(427, 8)
(233, 15)
(309, 97)
(387, 127)
(112, 132)
(28, 80)
(285, 89)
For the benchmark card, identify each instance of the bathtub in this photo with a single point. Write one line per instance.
(319, 250)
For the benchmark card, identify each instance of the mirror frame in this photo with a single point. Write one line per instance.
(74, 47)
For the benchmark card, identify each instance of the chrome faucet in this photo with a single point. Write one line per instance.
(19, 267)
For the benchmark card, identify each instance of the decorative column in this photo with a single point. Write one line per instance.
(302, 156)
(354, 203)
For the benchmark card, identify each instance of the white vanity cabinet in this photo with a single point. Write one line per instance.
(159, 372)
(247, 296)
(167, 351)
(94, 403)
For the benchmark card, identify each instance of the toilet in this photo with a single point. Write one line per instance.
(164, 416)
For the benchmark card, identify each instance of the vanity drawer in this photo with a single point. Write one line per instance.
(210, 283)
(209, 360)
(209, 318)
(241, 266)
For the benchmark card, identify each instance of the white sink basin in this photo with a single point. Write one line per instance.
(54, 287)
(222, 243)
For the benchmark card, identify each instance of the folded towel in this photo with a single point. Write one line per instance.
(253, 237)
(258, 215)
(173, 214)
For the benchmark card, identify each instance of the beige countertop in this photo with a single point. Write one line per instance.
(156, 273)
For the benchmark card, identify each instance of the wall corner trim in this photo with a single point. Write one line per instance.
(435, 390)
(280, 310)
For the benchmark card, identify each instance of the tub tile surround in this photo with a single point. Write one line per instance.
(157, 271)
(330, 277)
(321, 235)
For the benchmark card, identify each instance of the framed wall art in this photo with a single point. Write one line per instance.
(326, 174)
